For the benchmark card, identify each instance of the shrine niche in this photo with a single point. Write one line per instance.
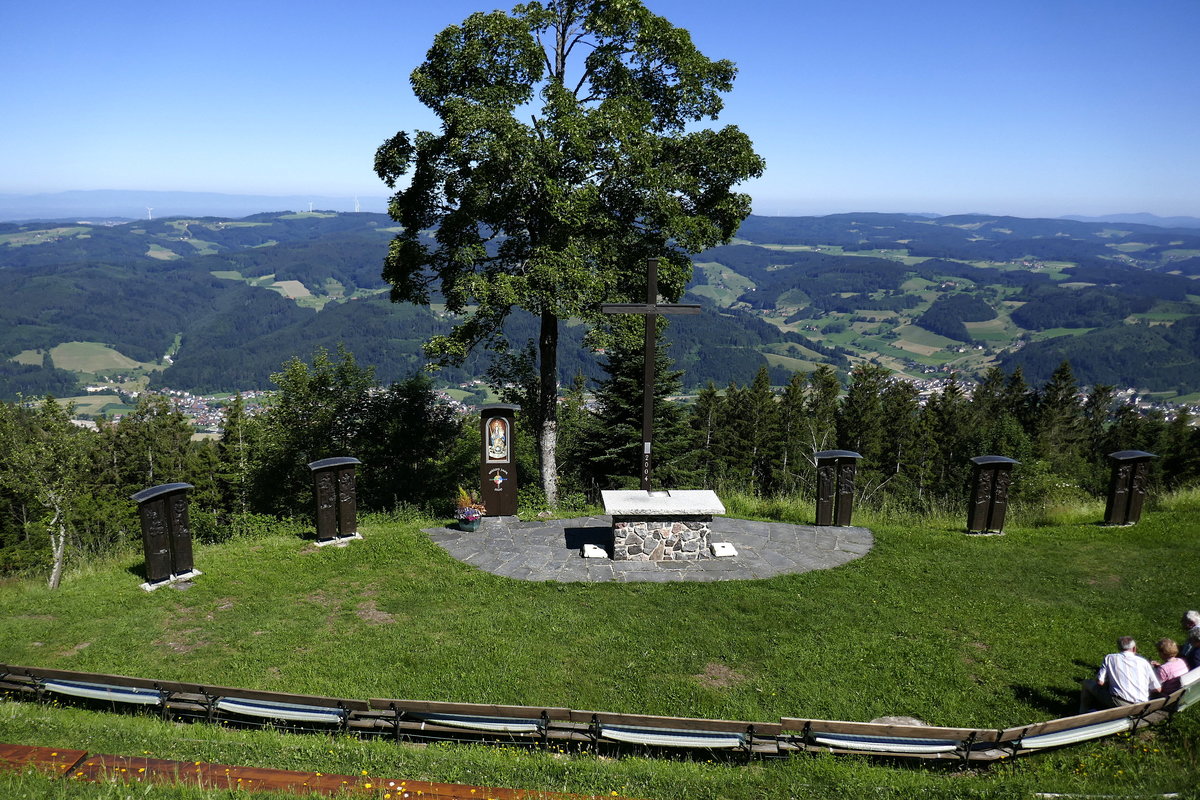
(497, 462)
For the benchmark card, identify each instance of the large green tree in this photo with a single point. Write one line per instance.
(567, 155)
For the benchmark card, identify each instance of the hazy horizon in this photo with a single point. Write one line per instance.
(137, 204)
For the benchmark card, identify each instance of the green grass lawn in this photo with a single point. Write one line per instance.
(953, 629)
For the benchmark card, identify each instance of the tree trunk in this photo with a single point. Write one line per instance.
(58, 541)
(548, 405)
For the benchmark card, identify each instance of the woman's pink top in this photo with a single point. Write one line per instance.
(1170, 672)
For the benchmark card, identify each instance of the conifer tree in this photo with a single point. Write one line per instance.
(617, 425)
(703, 423)
(792, 446)
(821, 409)
(860, 416)
(1058, 425)
(234, 454)
(949, 418)
(901, 458)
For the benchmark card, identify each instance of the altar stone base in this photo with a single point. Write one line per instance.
(661, 526)
(652, 539)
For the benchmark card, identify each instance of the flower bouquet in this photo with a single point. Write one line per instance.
(469, 511)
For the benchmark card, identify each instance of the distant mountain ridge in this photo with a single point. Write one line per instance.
(211, 303)
(133, 204)
(1142, 219)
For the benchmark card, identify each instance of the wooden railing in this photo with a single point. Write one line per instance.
(421, 720)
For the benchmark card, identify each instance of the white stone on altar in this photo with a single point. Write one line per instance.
(638, 502)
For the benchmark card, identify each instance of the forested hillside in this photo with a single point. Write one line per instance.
(215, 304)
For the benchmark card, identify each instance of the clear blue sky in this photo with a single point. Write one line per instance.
(1025, 107)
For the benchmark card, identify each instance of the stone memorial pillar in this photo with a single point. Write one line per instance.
(1127, 487)
(989, 493)
(166, 534)
(336, 500)
(835, 486)
(497, 460)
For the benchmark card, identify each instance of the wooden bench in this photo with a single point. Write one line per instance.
(94, 686)
(1189, 690)
(428, 719)
(912, 741)
(1079, 728)
(105, 691)
(679, 732)
(279, 708)
(459, 721)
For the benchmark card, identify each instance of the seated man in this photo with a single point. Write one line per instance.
(1189, 623)
(1193, 658)
(1125, 678)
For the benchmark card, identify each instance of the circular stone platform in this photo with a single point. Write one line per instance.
(548, 550)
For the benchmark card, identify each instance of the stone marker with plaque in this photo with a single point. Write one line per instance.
(835, 486)
(989, 493)
(336, 498)
(1127, 487)
(497, 462)
(166, 534)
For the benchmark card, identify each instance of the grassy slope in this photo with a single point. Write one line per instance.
(957, 630)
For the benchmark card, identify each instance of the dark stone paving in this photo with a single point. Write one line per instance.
(549, 550)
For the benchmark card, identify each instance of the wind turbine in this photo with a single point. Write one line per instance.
(149, 214)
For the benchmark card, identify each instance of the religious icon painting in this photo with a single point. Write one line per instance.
(498, 441)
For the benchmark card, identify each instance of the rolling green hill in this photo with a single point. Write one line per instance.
(218, 304)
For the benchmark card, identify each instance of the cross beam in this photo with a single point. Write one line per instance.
(650, 309)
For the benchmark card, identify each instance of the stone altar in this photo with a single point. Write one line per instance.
(663, 525)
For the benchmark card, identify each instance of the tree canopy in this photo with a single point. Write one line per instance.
(567, 155)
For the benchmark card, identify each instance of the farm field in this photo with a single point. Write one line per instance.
(86, 357)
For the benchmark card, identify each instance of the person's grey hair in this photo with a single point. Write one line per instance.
(1194, 634)
(1192, 618)
(1126, 643)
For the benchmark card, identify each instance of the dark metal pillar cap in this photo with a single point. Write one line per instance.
(836, 454)
(983, 461)
(326, 463)
(158, 491)
(1130, 455)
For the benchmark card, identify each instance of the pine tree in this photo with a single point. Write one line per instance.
(759, 418)
(703, 423)
(234, 472)
(821, 411)
(949, 418)
(791, 445)
(617, 425)
(1058, 429)
(901, 459)
(860, 416)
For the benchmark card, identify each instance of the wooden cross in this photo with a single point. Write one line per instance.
(650, 309)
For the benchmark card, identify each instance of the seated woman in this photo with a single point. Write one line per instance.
(1171, 668)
